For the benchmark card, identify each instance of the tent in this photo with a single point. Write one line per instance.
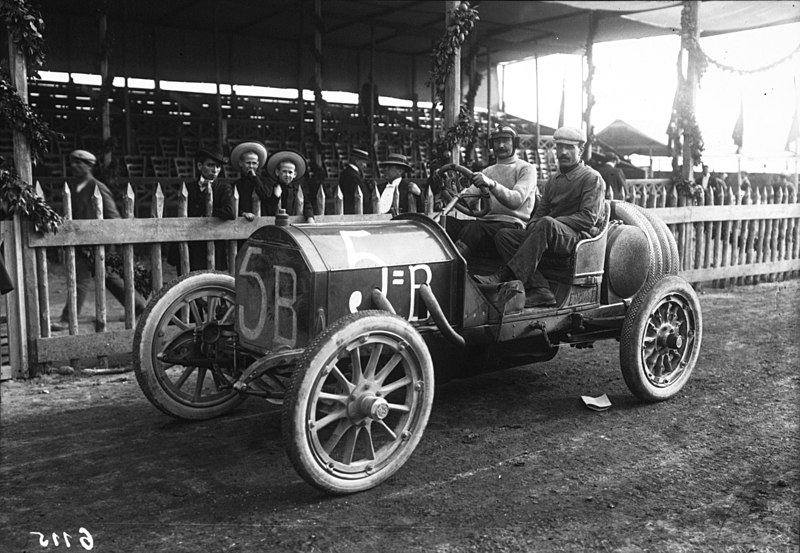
(625, 140)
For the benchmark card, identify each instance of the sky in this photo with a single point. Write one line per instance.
(635, 81)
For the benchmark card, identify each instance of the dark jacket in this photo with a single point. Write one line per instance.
(349, 180)
(248, 184)
(289, 202)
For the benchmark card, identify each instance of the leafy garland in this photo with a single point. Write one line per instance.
(17, 197)
(444, 51)
(25, 26)
(463, 133)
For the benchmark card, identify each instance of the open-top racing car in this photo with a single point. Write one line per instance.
(348, 326)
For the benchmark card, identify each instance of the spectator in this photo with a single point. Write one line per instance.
(744, 185)
(83, 187)
(352, 178)
(287, 168)
(396, 168)
(209, 163)
(613, 176)
(511, 182)
(249, 158)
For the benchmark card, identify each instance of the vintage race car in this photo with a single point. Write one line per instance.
(349, 326)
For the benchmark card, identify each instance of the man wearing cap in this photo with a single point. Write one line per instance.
(396, 168)
(249, 158)
(572, 203)
(287, 168)
(82, 164)
(352, 178)
(613, 176)
(209, 163)
(511, 182)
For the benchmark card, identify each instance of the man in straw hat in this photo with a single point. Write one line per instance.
(352, 178)
(288, 167)
(82, 164)
(395, 169)
(572, 203)
(511, 182)
(248, 158)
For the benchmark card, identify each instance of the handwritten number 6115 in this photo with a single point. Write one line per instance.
(85, 539)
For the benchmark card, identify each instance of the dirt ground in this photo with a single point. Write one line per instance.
(510, 461)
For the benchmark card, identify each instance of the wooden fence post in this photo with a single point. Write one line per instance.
(128, 264)
(156, 267)
(101, 313)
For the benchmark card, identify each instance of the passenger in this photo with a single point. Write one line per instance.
(209, 163)
(288, 167)
(396, 168)
(352, 178)
(572, 203)
(512, 185)
(82, 164)
(249, 158)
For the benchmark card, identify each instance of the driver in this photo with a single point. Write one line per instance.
(511, 182)
(572, 203)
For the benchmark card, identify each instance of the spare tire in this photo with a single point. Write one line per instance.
(629, 214)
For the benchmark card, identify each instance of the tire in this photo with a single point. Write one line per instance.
(661, 338)
(358, 402)
(669, 247)
(184, 392)
(631, 215)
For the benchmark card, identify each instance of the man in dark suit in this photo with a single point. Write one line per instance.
(395, 170)
(352, 178)
(209, 163)
(613, 175)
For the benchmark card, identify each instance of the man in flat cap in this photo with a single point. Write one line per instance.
(395, 169)
(248, 158)
(82, 164)
(209, 163)
(613, 176)
(512, 185)
(572, 203)
(287, 168)
(352, 178)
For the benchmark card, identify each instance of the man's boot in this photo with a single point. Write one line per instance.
(503, 274)
(539, 297)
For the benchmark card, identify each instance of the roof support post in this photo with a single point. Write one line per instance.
(452, 94)
(488, 95)
(318, 30)
(691, 80)
(105, 76)
(221, 131)
(587, 115)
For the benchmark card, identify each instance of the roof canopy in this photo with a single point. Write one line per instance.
(270, 42)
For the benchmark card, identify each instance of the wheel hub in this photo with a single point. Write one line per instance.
(668, 338)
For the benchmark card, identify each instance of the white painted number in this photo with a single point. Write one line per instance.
(285, 281)
(86, 540)
(252, 333)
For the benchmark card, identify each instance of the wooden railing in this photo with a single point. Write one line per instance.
(724, 239)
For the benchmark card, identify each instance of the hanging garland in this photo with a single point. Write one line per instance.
(25, 26)
(18, 197)
(463, 20)
(463, 133)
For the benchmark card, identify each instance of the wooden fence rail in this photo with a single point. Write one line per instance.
(723, 238)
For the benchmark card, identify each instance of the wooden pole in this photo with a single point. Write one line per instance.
(318, 29)
(301, 104)
(221, 132)
(18, 320)
(452, 95)
(691, 77)
(105, 108)
(488, 94)
(593, 20)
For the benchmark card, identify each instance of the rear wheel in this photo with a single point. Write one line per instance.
(358, 402)
(185, 391)
(661, 338)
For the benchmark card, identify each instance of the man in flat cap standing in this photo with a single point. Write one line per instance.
(249, 158)
(287, 168)
(511, 182)
(82, 164)
(572, 203)
(352, 178)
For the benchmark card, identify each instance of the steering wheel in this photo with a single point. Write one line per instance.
(456, 186)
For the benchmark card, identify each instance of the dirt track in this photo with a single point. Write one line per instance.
(510, 461)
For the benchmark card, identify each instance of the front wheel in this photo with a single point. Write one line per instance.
(358, 402)
(193, 389)
(661, 339)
